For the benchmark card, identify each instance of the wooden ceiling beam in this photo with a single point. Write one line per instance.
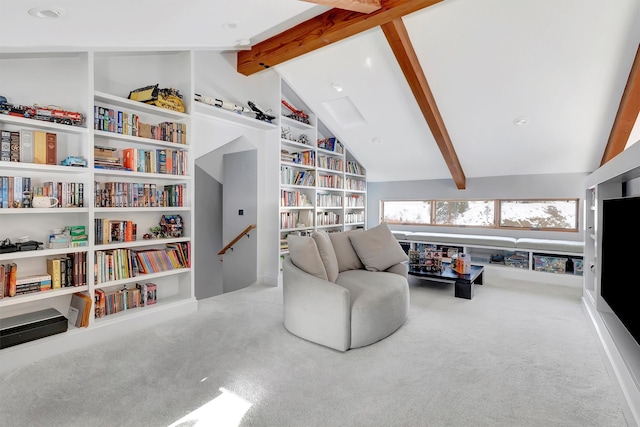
(398, 38)
(362, 6)
(332, 26)
(627, 114)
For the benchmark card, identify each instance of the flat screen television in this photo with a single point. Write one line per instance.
(620, 266)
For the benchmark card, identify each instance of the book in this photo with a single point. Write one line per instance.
(5, 148)
(53, 268)
(26, 146)
(52, 148)
(15, 146)
(40, 147)
(82, 302)
(12, 278)
(3, 291)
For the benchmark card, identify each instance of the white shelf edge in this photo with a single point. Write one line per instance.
(286, 208)
(141, 277)
(41, 253)
(40, 124)
(38, 167)
(297, 165)
(113, 172)
(36, 296)
(297, 144)
(295, 123)
(209, 111)
(138, 243)
(140, 209)
(27, 211)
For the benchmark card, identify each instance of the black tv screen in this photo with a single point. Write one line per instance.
(620, 267)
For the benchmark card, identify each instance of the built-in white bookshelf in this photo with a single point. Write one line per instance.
(322, 185)
(80, 82)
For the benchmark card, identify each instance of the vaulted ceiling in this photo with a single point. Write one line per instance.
(437, 87)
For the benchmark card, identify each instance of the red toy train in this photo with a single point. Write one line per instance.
(49, 113)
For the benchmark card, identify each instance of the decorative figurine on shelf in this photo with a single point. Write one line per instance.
(171, 225)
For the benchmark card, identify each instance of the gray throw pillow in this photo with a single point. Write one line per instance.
(377, 248)
(327, 254)
(346, 255)
(304, 255)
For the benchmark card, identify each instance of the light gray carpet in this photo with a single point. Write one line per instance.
(518, 354)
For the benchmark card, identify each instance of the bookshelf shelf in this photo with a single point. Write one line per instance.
(34, 167)
(140, 175)
(40, 253)
(142, 278)
(212, 111)
(144, 209)
(42, 125)
(101, 134)
(40, 211)
(140, 243)
(37, 296)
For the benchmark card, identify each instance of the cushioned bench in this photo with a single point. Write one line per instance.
(526, 244)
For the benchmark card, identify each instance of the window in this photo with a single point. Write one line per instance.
(539, 214)
(406, 212)
(475, 213)
(549, 215)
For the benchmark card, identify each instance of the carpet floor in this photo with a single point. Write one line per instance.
(518, 354)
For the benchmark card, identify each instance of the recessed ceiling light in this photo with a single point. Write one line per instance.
(337, 87)
(230, 25)
(376, 140)
(46, 13)
(521, 121)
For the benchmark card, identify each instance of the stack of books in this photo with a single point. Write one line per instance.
(106, 158)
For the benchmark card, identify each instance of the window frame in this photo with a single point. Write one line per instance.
(496, 210)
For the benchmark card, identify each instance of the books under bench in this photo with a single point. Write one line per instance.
(118, 264)
(138, 195)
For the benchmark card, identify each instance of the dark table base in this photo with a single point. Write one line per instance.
(463, 282)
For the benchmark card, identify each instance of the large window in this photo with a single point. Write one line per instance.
(407, 212)
(550, 215)
(539, 214)
(475, 213)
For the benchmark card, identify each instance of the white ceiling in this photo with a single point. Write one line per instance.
(563, 64)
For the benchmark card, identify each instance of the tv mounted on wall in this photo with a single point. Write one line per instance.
(620, 266)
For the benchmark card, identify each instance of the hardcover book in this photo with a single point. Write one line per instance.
(26, 146)
(40, 147)
(52, 149)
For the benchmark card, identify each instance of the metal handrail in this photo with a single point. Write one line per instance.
(238, 237)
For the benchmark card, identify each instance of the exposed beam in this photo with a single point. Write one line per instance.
(398, 38)
(362, 6)
(627, 114)
(322, 30)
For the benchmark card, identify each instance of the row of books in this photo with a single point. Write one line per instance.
(118, 264)
(29, 146)
(159, 160)
(307, 158)
(328, 162)
(330, 181)
(353, 217)
(18, 191)
(355, 184)
(114, 301)
(127, 123)
(61, 272)
(354, 201)
(327, 218)
(296, 219)
(294, 198)
(138, 195)
(68, 270)
(329, 200)
(355, 168)
(290, 176)
(114, 230)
